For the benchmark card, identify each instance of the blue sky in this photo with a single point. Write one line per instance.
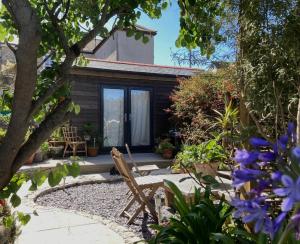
(167, 28)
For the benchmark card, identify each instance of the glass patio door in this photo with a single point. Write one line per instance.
(140, 118)
(126, 117)
(113, 117)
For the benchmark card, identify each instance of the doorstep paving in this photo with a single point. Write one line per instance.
(62, 226)
(103, 163)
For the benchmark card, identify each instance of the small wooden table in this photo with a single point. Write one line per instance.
(187, 187)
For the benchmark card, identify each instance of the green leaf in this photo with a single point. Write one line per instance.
(39, 177)
(15, 200)
(164, 5)
(74, 169)
(8, 221)
(4, 194)
(33, 187)
(130, 33)
(54, 178)
(3, 33)
(138, 35)
(210, 180)
(23, 218)
(145, 39)
(76, 109)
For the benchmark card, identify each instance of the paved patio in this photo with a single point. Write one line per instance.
(103, 163)
(62, 226)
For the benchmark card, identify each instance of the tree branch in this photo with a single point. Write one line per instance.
(42, 133)
(71, 56)
(11, 48)
(45, 59)
(59, 29)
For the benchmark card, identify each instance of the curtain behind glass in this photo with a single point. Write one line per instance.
(113, 114)
(140, 118)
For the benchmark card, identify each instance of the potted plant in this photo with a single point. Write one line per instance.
(45, 150)
(204, 158)
(88, 130)
(93, 148)
(30, 159)
(165, 148)
(210, 154)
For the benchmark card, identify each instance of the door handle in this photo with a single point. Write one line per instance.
(125, 117)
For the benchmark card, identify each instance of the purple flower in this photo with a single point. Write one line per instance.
(276, 176)
(245, 157)
(282, 142)
(241, 176)
(296, 152)
(267, 156)
(251, 211)
(292, 131)
(291, 192)
(259, 142)
(296, 224)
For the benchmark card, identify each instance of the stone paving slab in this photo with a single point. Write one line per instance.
(102, 163)
(61, 226)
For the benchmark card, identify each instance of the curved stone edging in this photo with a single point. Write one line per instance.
(128, 235)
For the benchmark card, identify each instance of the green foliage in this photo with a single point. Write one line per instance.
(201, 23)
(200, 221)
(206, 152)
(194, 102)
(37, 178)
(45, 148)
(89, 129)
(164, 145)
(271, 63)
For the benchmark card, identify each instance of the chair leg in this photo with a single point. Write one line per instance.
(66, 146)
(128, 206)
(74, 150)
(150, 206)
(137, 212)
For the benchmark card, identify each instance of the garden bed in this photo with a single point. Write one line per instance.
(103, 199)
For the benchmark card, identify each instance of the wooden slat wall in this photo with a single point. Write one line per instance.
(86, 93)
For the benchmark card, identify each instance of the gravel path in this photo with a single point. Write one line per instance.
(104, 199)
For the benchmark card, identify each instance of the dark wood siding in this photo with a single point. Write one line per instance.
(86, 93)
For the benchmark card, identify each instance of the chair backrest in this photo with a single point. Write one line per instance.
(70, 133)
(125, 172)
(131, 159)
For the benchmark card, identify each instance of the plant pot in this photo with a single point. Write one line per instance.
(207, 168)
(56, 152)
(38, 156)
(87, 137)
(92, 151)
(167, 153)
(30, 159)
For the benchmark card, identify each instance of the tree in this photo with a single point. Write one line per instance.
(266, 37)
(53, 29)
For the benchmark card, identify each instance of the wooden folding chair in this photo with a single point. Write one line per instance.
(73, 142)
(137, 189)
(141, 170)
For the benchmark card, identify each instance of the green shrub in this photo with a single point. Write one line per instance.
(200, 221)
(194, 102)
(205, 152)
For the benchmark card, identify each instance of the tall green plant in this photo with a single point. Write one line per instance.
(200, 221)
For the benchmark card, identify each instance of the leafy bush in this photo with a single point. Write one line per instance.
(206, 152)
(199, 222)
(194, 102)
